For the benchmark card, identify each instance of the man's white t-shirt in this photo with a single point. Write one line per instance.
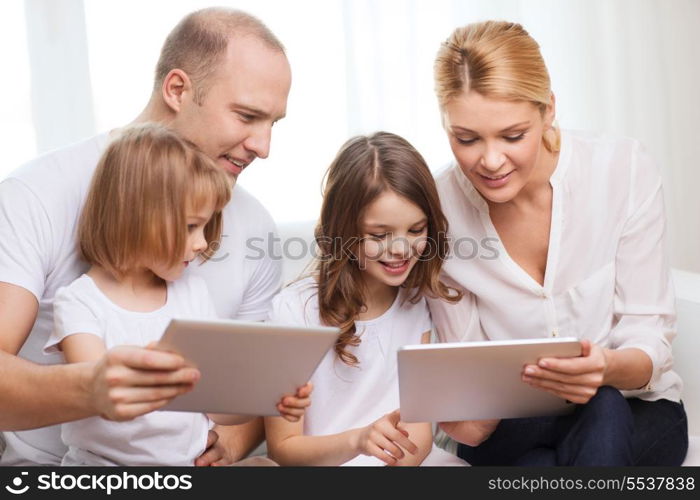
(160, 438)
(607, 278)
(347, 397)
(40, 204)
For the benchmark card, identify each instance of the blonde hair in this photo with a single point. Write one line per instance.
(496, 59)
(136, 209)
(199, 41)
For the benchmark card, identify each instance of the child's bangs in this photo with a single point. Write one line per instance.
(208, 186)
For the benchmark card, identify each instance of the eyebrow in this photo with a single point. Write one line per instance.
(507, 129)
(254, 111)
(197, 217)
(385, 226)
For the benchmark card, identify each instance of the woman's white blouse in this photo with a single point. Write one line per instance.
(607, 277)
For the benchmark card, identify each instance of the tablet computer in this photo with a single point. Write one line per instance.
(477, 380)
(246, 367)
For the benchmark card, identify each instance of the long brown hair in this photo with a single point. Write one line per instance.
(364, 168)
(136, 209)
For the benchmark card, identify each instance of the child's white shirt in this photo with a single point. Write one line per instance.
(40, 206)
(159, 438)
(347, 397)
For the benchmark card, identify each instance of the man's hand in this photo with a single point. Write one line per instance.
(215, 454)
(228, 444)
(131, 381)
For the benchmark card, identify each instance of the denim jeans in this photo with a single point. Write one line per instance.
(608, 430)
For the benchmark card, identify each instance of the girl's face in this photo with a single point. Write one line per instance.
(497, 143)
(394, 232)
(195, 245)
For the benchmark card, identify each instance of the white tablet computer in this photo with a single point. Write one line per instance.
(477, 380)
(246, 367)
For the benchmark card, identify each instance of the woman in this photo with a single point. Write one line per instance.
(580, 230)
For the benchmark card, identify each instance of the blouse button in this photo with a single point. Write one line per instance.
(555, 333)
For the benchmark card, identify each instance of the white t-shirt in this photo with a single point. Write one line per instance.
(40, 204)
(607, 276)
(161, 438)
(347, 397)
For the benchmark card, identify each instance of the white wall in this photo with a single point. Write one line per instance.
(627, 67)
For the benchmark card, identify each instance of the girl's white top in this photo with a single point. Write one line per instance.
(160, 438)
(347, 397)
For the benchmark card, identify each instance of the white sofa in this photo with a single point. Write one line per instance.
(298, 236)
(686, 351)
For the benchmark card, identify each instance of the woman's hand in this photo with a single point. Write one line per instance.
(574, 379)
(385, 439)
(470, 432)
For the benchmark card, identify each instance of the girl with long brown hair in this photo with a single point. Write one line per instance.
(381, 241)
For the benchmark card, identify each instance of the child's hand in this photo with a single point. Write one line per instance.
(385, 439)
(292, 408)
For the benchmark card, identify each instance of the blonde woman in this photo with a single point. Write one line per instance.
(579, 221)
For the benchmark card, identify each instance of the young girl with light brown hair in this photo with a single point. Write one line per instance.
(153, 209)
(381, 239)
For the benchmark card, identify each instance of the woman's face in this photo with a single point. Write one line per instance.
(497, 143)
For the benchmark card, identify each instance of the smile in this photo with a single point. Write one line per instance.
(496, 178)
(395, 268)
(237, 166)
(496, 181)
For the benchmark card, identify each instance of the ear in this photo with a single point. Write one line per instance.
(177, 86)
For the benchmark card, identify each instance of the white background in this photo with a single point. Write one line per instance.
(71, 68)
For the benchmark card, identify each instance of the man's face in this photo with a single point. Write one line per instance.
(246, 95)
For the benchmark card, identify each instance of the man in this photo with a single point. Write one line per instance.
(222, 81)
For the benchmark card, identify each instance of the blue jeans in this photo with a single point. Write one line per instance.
(608, 430)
